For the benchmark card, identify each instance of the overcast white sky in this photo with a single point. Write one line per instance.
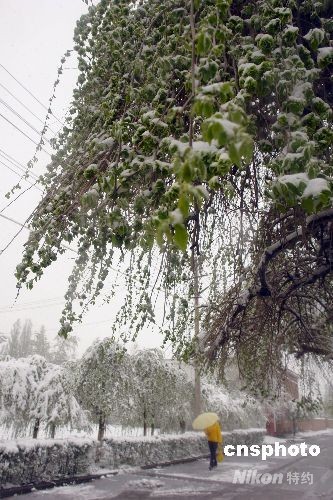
(34, 35)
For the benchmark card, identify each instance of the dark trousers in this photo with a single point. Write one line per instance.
(213, 449)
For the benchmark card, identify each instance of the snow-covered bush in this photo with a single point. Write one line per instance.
(235, 408)
(164, 448)
(29, 460)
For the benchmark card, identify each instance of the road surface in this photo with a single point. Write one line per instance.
(282, 478)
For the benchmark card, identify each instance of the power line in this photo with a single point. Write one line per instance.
(33, 302)
(11, 158)
(23, 119)
(17, 197)
(26, 107)
(31, 94)
(80, 325)
(17, 165)
(23, 133)
(29, 308)
(12, 170)
(23, 226)
(19, 175)
(14, 222)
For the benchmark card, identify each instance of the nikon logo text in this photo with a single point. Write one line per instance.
(253, 477)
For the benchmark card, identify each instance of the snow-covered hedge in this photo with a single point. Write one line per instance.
(29, 460)
(164, 448)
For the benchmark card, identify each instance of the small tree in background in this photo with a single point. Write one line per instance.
(35, 393)
(55, 402)
(177, 408)
(41, 345)
(26, 339)
(14, 340)
(103, 380)
(63, 350)
(235, 408)
(18, 385)
(151, 388)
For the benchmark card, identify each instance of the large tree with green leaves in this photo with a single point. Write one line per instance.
(205, 127)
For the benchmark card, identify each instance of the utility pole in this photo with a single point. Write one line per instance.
(197, 387)
(197, 384)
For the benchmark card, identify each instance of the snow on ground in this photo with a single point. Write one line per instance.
(80, 491)
(273, 440)
(145, 483)
(198, 470)
(110, 487)
(298, 435)
(313, 433)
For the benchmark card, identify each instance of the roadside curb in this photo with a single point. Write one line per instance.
(45, 485)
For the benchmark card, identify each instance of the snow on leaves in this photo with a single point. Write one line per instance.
(177, 103)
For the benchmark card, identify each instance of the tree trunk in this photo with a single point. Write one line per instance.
(52, 430)
(101, 427)
(144, 422)
(182, 426)
(152, 428)
(36, 428)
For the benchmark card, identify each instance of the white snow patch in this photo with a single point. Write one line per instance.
(212, 89)
(273, 440)
(197, 146)
(145, 483)
(314, 433)
(315, 187)
(324, 52)
(294, 179)
(243, 297)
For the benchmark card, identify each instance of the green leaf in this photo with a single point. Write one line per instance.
(246, 148)
(204, 43)
(186, 172)
(227, 92)
(184, 205)
(308, 205)
(181, 237)
(234, 154)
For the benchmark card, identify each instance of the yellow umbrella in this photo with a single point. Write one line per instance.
(204, 420)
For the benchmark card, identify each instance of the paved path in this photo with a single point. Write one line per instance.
(193, 481)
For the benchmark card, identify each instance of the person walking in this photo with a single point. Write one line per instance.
(214, 436)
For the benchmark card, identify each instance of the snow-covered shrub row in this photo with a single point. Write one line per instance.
(28, 460)
(164, 448)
